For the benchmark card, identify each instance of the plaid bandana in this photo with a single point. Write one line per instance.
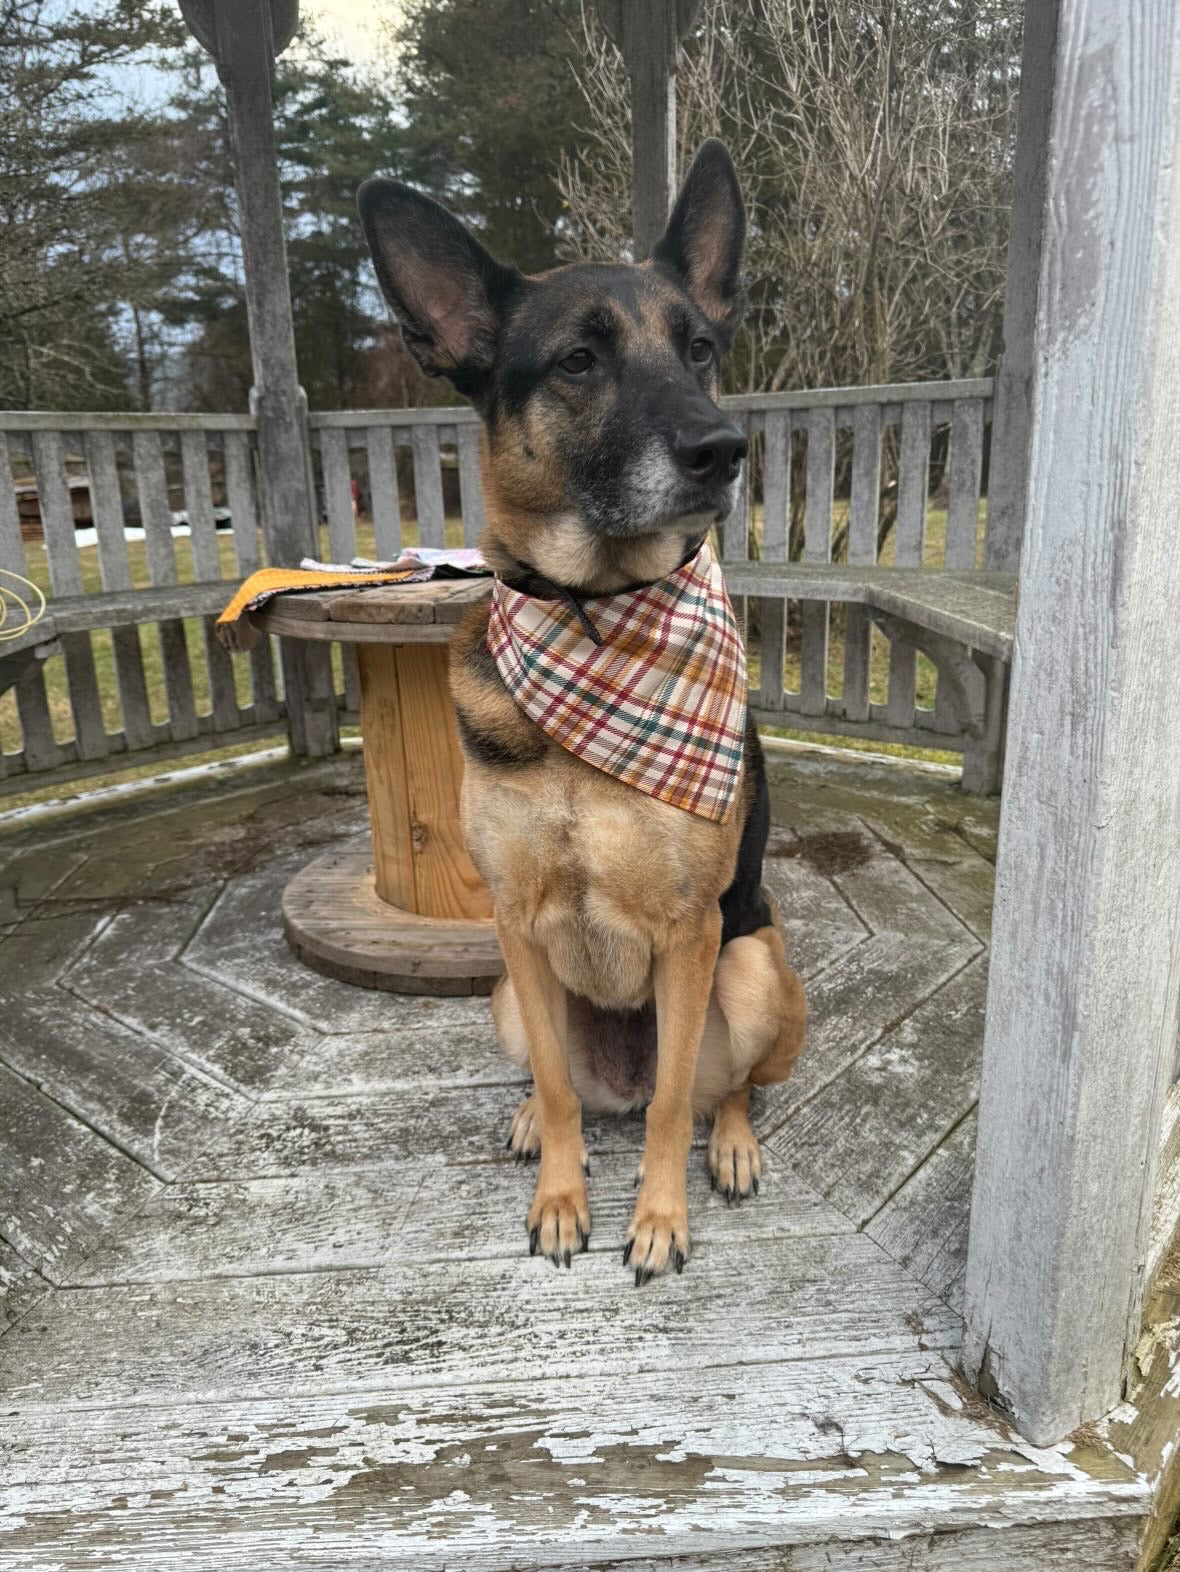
(660, 703)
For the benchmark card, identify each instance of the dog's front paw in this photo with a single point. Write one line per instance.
(559, 1218)
(735, 1159)
(524, 1133)
(657, 1238)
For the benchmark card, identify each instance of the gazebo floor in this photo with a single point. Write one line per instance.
(270, 1301)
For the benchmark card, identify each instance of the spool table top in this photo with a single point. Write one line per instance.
(384, 614)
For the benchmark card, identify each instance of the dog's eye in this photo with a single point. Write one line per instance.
(701, 350)
(578, 363)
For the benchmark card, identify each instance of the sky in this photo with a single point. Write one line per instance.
(355, 25)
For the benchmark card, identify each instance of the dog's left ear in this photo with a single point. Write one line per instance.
(447, 292)
(703, 243)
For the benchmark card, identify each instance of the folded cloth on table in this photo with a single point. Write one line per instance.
(414, 566)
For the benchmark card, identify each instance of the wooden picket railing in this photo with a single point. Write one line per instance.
(153, 605)
(828, 470)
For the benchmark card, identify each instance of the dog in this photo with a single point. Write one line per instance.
(645, 966)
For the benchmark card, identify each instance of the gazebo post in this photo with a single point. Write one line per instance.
(243, 36)
(1085, 967)
(648, 36)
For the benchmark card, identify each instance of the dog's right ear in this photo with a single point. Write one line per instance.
(446, 291)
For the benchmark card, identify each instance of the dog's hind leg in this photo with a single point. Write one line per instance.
(524, 1134)
(559, 1218)
(762, 1004)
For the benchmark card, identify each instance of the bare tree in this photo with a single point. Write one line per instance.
(874, 140)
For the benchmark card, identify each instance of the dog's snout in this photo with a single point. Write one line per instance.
(715, 454)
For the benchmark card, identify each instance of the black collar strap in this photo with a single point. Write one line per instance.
(530, 582)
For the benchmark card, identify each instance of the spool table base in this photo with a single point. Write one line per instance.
(335, 922)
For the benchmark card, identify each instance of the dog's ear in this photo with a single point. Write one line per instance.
(703, 243)
(446, 291)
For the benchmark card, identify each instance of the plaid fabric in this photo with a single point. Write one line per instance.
(660, 704)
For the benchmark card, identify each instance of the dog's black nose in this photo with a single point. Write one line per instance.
(712, 455)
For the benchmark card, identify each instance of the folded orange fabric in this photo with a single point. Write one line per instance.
(237, 632)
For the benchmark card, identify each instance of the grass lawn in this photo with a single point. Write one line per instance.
(59, 704)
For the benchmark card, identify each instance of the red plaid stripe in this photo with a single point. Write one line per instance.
(660, 704)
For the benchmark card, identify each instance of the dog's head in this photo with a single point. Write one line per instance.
(597, 382)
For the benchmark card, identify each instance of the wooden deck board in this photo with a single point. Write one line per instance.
(322, 1342)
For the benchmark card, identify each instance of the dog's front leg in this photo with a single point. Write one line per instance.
(683, 979)
(559, 1218)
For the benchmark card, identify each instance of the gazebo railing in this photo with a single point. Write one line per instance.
(125, 509)
(168, 509)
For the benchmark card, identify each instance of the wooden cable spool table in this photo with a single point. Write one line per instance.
(409, 913)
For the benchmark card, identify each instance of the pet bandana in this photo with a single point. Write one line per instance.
(659, 703)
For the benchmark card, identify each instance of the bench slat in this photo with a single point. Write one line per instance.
(65, 578)
(863, 512)
(106, 502)
(470, 484)
(198, 503)
(776, 508)
(428, 492)
(239, 490)
(161, 558)
(913, 472)
(383, 492)
(817, 547)
(341, 534)
(39, 749)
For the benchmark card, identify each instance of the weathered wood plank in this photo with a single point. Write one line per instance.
(278, 1336)
(61, 1184)
(239, 486)
(428, 492)
(65, 578)
(863, 510)
(909, 536)
(975, 609)
(161, 559)
(198, 502)
(852, 1003)
(150, 1105)
(470, 484)
(338, 496)
(402, 1214)
(865, 1134)
(546, 1484)
(383, 493)
(817, 547)
(924, 1225)
(1088, 879)
(39, 749)
(776, 505)
(106, 501)
(966, 466)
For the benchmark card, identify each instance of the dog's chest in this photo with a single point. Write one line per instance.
(595, 872)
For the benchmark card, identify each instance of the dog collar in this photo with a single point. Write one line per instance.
(654, 693)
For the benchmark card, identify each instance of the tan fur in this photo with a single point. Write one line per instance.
(601, 891)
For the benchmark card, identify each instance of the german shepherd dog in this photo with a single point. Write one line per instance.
(645, 966)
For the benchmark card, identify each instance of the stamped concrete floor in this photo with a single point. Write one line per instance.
(269, 1302)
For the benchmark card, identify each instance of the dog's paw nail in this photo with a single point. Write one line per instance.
(534, 1240)
(627, 1249)
(566, 1258)
(754, 1185)
(678, 1261)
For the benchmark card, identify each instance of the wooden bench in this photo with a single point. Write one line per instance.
(963, 620)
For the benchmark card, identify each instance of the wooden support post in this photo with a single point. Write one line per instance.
(648, 35)
(1012, 408)
(243, 37)
(1085, 967)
